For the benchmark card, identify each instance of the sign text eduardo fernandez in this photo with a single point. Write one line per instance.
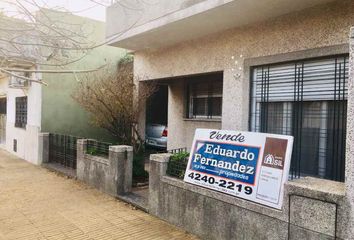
(249, 165)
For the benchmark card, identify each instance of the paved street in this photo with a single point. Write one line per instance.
(38, 204)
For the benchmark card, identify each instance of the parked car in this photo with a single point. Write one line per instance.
(156, 136)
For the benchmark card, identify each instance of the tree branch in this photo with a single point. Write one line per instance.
(22, 77)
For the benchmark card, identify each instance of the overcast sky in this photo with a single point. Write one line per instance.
(84, 8)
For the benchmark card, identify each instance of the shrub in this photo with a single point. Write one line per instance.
(92, 151)
(139, 166)
(177, 164)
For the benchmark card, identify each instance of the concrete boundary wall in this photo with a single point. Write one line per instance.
(112, 175)
(313, 209)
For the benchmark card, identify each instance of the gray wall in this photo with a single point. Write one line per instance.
(318, 27)
(112, 175)
(60, 112)
(182, 129)
(313, 209)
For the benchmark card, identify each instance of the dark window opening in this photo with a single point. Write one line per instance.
(15, 145)
(204, 96)
(307, 100)
(157, 106)
(21, 112)
(3, 105)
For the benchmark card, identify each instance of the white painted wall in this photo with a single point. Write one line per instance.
(27, 139)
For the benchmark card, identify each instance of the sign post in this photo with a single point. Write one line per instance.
(252, 166)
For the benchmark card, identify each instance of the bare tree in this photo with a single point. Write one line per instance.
(40, 37)
(43, 37)
(114, 101)
(47, 41)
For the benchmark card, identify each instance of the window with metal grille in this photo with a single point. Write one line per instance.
(205, 97)
(306, 99)
(21, 112)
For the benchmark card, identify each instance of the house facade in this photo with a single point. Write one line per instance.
(20, 112)
(268, 66)
(28, 108)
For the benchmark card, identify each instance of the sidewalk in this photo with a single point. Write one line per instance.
(38, 204)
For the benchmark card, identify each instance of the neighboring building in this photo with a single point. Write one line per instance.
(62, 114)
(20, 112)
(28, 108)
(269, 66)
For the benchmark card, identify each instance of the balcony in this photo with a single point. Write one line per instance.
(153, 24)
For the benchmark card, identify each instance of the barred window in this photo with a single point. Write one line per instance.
(306, 99)
(21, 112)
(205, 97)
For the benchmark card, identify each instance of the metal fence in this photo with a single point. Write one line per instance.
(177, 150)
(178, 163)
(62, 150)
(97, 148)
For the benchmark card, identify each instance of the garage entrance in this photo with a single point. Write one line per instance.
(156, 119)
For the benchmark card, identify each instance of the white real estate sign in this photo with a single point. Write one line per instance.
(249, 165)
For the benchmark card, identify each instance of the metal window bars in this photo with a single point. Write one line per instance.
(306, 99)
(204, 96)
(62, 150)
(21, 112)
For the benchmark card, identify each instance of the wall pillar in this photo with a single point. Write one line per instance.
(175, 115)
(43, 148)
(81, 166)
(349, 163)
(158, 168)
(235, 105)
(112, 175)
(142, 109)
(121, 161)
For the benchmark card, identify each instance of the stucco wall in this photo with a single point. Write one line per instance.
(312, 209)
(349, 161)
(111, 174)
(27, 138)
(181, 130)
(61, 114)
(321, 26)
